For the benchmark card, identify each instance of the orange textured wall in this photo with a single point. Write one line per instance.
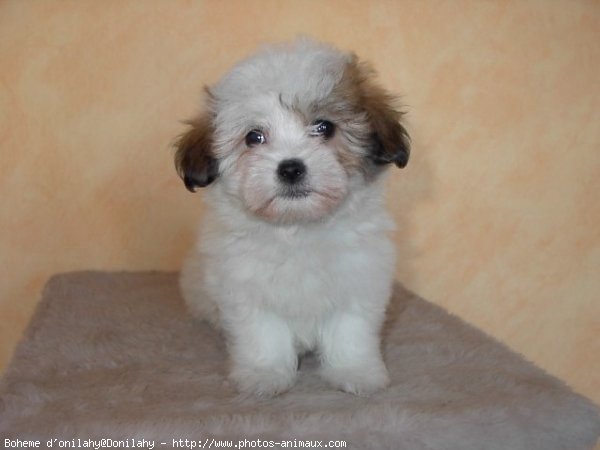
(498, 211)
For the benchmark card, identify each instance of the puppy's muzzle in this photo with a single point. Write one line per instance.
(291, 171)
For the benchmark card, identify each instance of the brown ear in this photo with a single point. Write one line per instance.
(390, 140)
(391, 143)
(194, 159)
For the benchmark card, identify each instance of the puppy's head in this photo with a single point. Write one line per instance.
(291, 131)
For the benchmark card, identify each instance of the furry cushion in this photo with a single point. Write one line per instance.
(115, 355)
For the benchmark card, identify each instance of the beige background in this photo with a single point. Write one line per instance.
(498, 210)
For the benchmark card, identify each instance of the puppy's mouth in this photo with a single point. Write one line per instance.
(304, 193)
(294, 193)
(298, 204)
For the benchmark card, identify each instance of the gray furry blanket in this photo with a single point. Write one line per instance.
(116, 356)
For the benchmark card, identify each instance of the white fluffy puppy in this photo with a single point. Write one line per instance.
(293, 255)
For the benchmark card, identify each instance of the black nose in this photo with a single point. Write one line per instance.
(291, 171)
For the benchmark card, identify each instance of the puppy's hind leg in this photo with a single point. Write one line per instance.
(192, 286)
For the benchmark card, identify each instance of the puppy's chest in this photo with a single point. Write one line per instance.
(292, 254)
(296, 270)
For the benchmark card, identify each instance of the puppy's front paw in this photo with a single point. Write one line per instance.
(262, 381)
(358, 380)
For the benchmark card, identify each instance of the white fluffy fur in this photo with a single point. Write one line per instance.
(283, 276)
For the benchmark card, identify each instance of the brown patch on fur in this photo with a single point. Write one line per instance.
(194, 159)
(356, 97)
(351, 161)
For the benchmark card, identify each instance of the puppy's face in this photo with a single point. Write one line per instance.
(290, 132)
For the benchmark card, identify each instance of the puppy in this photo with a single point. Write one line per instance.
(293, 255)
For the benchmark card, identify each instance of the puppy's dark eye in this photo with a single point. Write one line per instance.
(322, 128)
(255, 137)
